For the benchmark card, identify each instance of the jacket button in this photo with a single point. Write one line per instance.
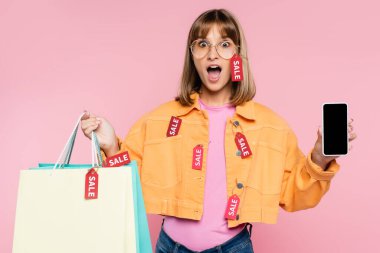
(238, 153)
(239, 185)
(236, 123)
(237, 217)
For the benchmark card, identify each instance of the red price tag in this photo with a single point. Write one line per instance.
(174, 126)
(117, 160)
(236, 65)
(232, 207)
(92, 182)
(242, 145)
(197, 157)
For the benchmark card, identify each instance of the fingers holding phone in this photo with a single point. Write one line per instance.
(351, 134)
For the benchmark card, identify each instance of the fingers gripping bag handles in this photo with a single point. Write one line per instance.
(63, 207)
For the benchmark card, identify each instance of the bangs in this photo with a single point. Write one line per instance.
(225, 23)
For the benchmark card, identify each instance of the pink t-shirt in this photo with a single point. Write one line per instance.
(212, 229)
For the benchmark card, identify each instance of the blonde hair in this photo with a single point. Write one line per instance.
(228, 25)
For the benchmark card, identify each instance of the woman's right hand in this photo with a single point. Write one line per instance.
(104, 131)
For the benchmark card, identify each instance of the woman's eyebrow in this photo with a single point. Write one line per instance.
(220, 38)
(226, 37)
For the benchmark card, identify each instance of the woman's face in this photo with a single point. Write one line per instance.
(214, 70)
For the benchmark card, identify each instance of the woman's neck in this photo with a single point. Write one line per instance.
(217, 98)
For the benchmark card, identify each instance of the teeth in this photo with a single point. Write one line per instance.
(214, 67)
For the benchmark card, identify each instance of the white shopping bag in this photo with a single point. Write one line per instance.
(53, 215)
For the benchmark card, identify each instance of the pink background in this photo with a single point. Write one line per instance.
(120, 59)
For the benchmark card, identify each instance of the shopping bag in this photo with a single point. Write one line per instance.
(53, 216)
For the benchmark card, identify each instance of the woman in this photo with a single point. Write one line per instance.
(213, 160)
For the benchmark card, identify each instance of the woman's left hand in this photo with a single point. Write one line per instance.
(317, 155)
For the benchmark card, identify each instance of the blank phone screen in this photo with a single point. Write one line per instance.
(335, 129)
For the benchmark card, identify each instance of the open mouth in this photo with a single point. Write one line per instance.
(214, 73)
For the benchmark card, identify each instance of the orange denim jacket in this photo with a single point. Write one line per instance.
(276, 174)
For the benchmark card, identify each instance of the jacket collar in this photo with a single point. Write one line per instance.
(246, 110)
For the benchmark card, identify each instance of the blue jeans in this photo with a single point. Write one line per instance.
(240, 243)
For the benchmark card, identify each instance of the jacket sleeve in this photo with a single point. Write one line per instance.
(134, 142)
(304, 182)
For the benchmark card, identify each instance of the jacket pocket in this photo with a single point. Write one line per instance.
(161, 163)
(266, 169)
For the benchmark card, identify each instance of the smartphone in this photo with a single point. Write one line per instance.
(334, 129)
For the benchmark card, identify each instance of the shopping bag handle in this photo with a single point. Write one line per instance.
(96, 154)
(68, 149)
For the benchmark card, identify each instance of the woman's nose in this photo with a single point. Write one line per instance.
(212, 53)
